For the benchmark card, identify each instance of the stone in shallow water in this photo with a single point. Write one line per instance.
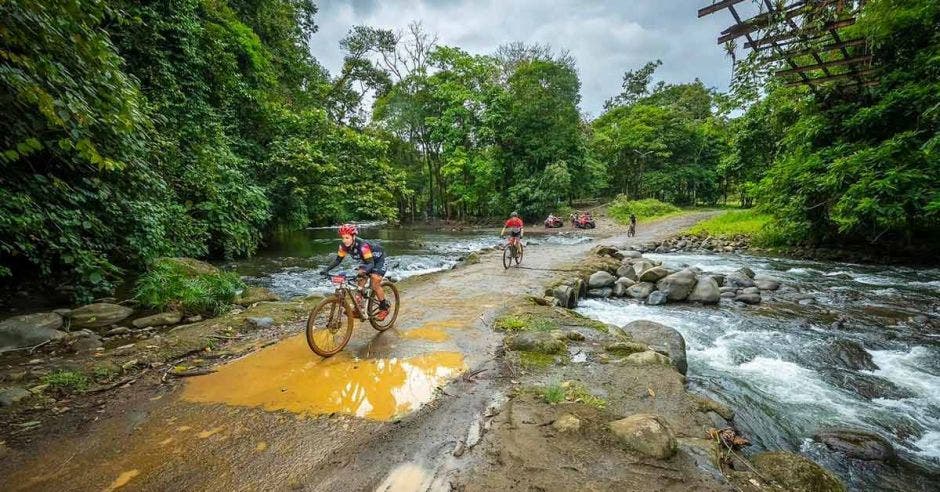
(796, 473)
(657, 298)
(857, 444)
(98, 315)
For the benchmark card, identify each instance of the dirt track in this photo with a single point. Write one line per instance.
(282, 418)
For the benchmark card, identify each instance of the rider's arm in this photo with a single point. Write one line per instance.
(336, 261)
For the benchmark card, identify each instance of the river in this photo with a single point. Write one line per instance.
(777, 365)
(288, 265)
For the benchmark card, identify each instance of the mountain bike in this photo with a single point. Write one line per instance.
(330, 324)
(512, 252)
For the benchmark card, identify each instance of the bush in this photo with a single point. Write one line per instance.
(175, 284)
(734, 223)
(621, 208)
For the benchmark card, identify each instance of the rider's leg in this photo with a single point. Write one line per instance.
(377, 287)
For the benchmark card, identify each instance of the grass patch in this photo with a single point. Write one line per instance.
(733, 223)
(621, 208)
(67, 381)
(569, 391)
(536, 360)
(171, 284)
(524, 322)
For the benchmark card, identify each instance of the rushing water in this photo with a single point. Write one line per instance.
(289, 264)
(776, 365)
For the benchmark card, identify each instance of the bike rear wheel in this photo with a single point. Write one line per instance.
(329, 327)
(518, 255)
(391, 295)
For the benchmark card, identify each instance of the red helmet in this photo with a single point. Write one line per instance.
(348, 229)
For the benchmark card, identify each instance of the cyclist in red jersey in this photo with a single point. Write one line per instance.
(515, 226)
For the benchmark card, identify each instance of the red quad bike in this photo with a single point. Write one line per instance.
(584, 222)
(553, 222)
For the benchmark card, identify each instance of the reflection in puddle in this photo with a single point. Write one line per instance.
(406, 476)
(122, 480)
(287, 376)
(434, 331)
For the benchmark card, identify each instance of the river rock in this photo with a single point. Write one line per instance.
(601, 279)
(641, 290)
(29, 330)
(677, 286)
(99, 315)
(83, 341)
(745, 272)
(603, 293)
(657, 298)
(252, 295)
(796, 473)
(738, 281)
(566, 296)
(767, 284)
(849, 354)
(728, 295)
(719, 278)
(642, 266)
(646, 434)
(867, 386)
(629, 253)
(566, 423)
(661, 338)
(705, 404)
(536, 342)
(159, 319)
(653, 274)
(626, 271)
(706, 291)
(748, 298)
(619, 290)
(11, 396)
(625, 348)
(728, 288)
(857, 444)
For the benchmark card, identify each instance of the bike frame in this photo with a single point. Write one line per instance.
(344, 292)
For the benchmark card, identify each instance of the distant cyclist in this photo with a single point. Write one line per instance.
(632, 224)
(372, 263)
(515, 226)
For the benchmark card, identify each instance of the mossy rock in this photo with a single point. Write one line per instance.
(540, 342)
(625, 348)
(252, 295)
(796, 473)
(190, 266)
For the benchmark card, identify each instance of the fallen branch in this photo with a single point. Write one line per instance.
(189, 374)
(29, 349)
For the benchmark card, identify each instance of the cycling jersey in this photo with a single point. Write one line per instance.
(371, 256)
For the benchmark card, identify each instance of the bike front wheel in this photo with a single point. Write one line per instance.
(329, 327)
(507, 256)
(391, 295)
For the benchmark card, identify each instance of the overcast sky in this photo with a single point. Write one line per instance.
(605, 37)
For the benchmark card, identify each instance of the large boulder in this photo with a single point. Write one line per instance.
(252, 295)
(566, 296)
(796, 473)
(599, 280)
(867, 386)
(99, 315)
(538, 341)
(653, 274)
(677, 286)
(645, 434)
(641, 290)
(706, 291)
(857, 444)
(660, 338)
(647, 358)
(29, 329)
(159, 319)
(657, 298)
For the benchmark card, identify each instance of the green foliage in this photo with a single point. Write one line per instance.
(861, 168)
(170, 285)
(569, 391)
(66, 382)
(734, 223)
(553, 394)
(621, 208)
(535, 360)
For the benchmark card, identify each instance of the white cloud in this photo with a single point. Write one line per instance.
(605, 37)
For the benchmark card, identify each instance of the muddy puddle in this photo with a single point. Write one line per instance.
(287, 376)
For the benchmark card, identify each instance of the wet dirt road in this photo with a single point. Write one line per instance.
(385, 414)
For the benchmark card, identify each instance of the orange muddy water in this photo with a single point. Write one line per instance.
(287, 376)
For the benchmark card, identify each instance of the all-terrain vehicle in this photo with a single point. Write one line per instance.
(553, 222)
(584, 221)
